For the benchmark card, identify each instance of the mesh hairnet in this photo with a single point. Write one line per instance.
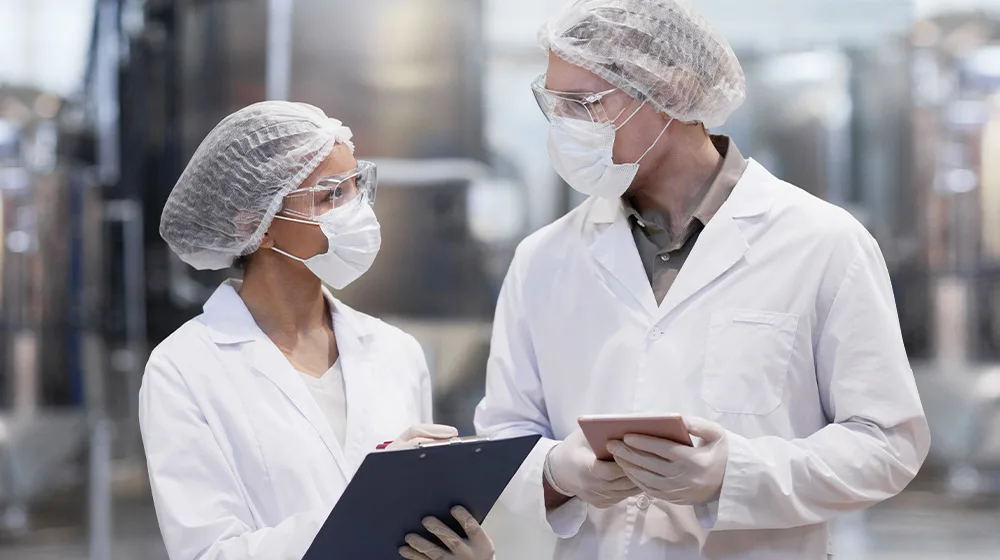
(662, 51)
(234, 184)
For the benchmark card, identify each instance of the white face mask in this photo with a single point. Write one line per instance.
(581, 153)
(354, 238)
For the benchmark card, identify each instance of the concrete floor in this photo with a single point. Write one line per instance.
(914, 526)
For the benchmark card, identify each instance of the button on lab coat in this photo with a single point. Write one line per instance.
(242, 462)
(781, 327)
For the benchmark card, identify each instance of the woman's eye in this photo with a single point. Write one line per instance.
(338, 192)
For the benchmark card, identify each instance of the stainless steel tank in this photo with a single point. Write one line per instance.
(50, 267)
(956, 187)
(406, 76)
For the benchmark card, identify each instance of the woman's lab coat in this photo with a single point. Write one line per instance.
(242, 462)
(781, 327)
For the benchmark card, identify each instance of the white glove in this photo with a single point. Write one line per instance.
(418, 433)
(575, 471)
(674, 472)
(477, 546)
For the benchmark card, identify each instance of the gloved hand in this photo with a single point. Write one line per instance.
(418, 433)
(575, 470)
(674, 472)
(478, 546)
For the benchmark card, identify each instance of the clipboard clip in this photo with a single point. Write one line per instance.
(452, 441)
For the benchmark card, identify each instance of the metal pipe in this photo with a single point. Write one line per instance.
(106, 91)
(279, 49)
(129, 214)
(99, 491)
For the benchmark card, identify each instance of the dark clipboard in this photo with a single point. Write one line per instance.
(394, 490)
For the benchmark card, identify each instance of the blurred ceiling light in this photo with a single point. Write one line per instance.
(967, 37)
(960, 181)
(967, 113)
(18, 242)
(984, 62)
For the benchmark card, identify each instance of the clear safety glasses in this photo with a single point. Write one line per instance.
(353, 187)
(578, 106)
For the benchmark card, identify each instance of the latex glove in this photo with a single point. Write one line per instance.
(477, 546)
(576, 470)
(418, 433)
(674, 472)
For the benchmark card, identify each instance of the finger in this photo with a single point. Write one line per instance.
(660, 447)
(411, 554)
(619, 495)
(644, 478)
(432, 431)
(606, 470)
(646, 460)
(623, 484)
(604, 501)
(473, 530)
(705, 429)
(425, 547)
(450, 538)
(407, 443)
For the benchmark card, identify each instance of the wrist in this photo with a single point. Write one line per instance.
(550, 480)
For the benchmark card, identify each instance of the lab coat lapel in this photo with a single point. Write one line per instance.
(719, 247)
(268, 360)
(356, 362)
(230, 323)
(614, 249)
(724, 241)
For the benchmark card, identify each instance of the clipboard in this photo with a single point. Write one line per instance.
(394, 490)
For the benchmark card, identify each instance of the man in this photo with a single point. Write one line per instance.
(692, 281)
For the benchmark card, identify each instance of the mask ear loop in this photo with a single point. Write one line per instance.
(296, 220)
(656, 141)
(289, 255)
(634, 113)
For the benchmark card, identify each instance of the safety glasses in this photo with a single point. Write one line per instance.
(353, 187)
(578, 106)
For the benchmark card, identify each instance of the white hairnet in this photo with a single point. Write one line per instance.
(234, 184)
(662, 51)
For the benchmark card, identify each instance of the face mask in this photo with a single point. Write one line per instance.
(581, 153)
(354, 238)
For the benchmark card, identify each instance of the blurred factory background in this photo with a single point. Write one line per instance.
(889, 108)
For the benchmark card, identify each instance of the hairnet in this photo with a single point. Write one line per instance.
(662, 51)
(234, 184)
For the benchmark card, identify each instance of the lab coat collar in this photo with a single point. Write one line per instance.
(230, 322)
(741, 204)
(721, 245)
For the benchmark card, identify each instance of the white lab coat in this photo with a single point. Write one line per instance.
(242, 462)
(781, 327)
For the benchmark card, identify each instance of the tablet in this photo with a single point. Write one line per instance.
(599, 429)
(394, 490)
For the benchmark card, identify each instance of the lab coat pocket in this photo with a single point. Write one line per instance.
(746, 361)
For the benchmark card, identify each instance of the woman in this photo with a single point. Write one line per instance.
(256, 414)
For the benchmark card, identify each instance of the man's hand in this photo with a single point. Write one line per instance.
(576, 472)
(674, 472)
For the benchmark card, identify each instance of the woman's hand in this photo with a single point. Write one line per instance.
(478, 546)
(418, 433)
